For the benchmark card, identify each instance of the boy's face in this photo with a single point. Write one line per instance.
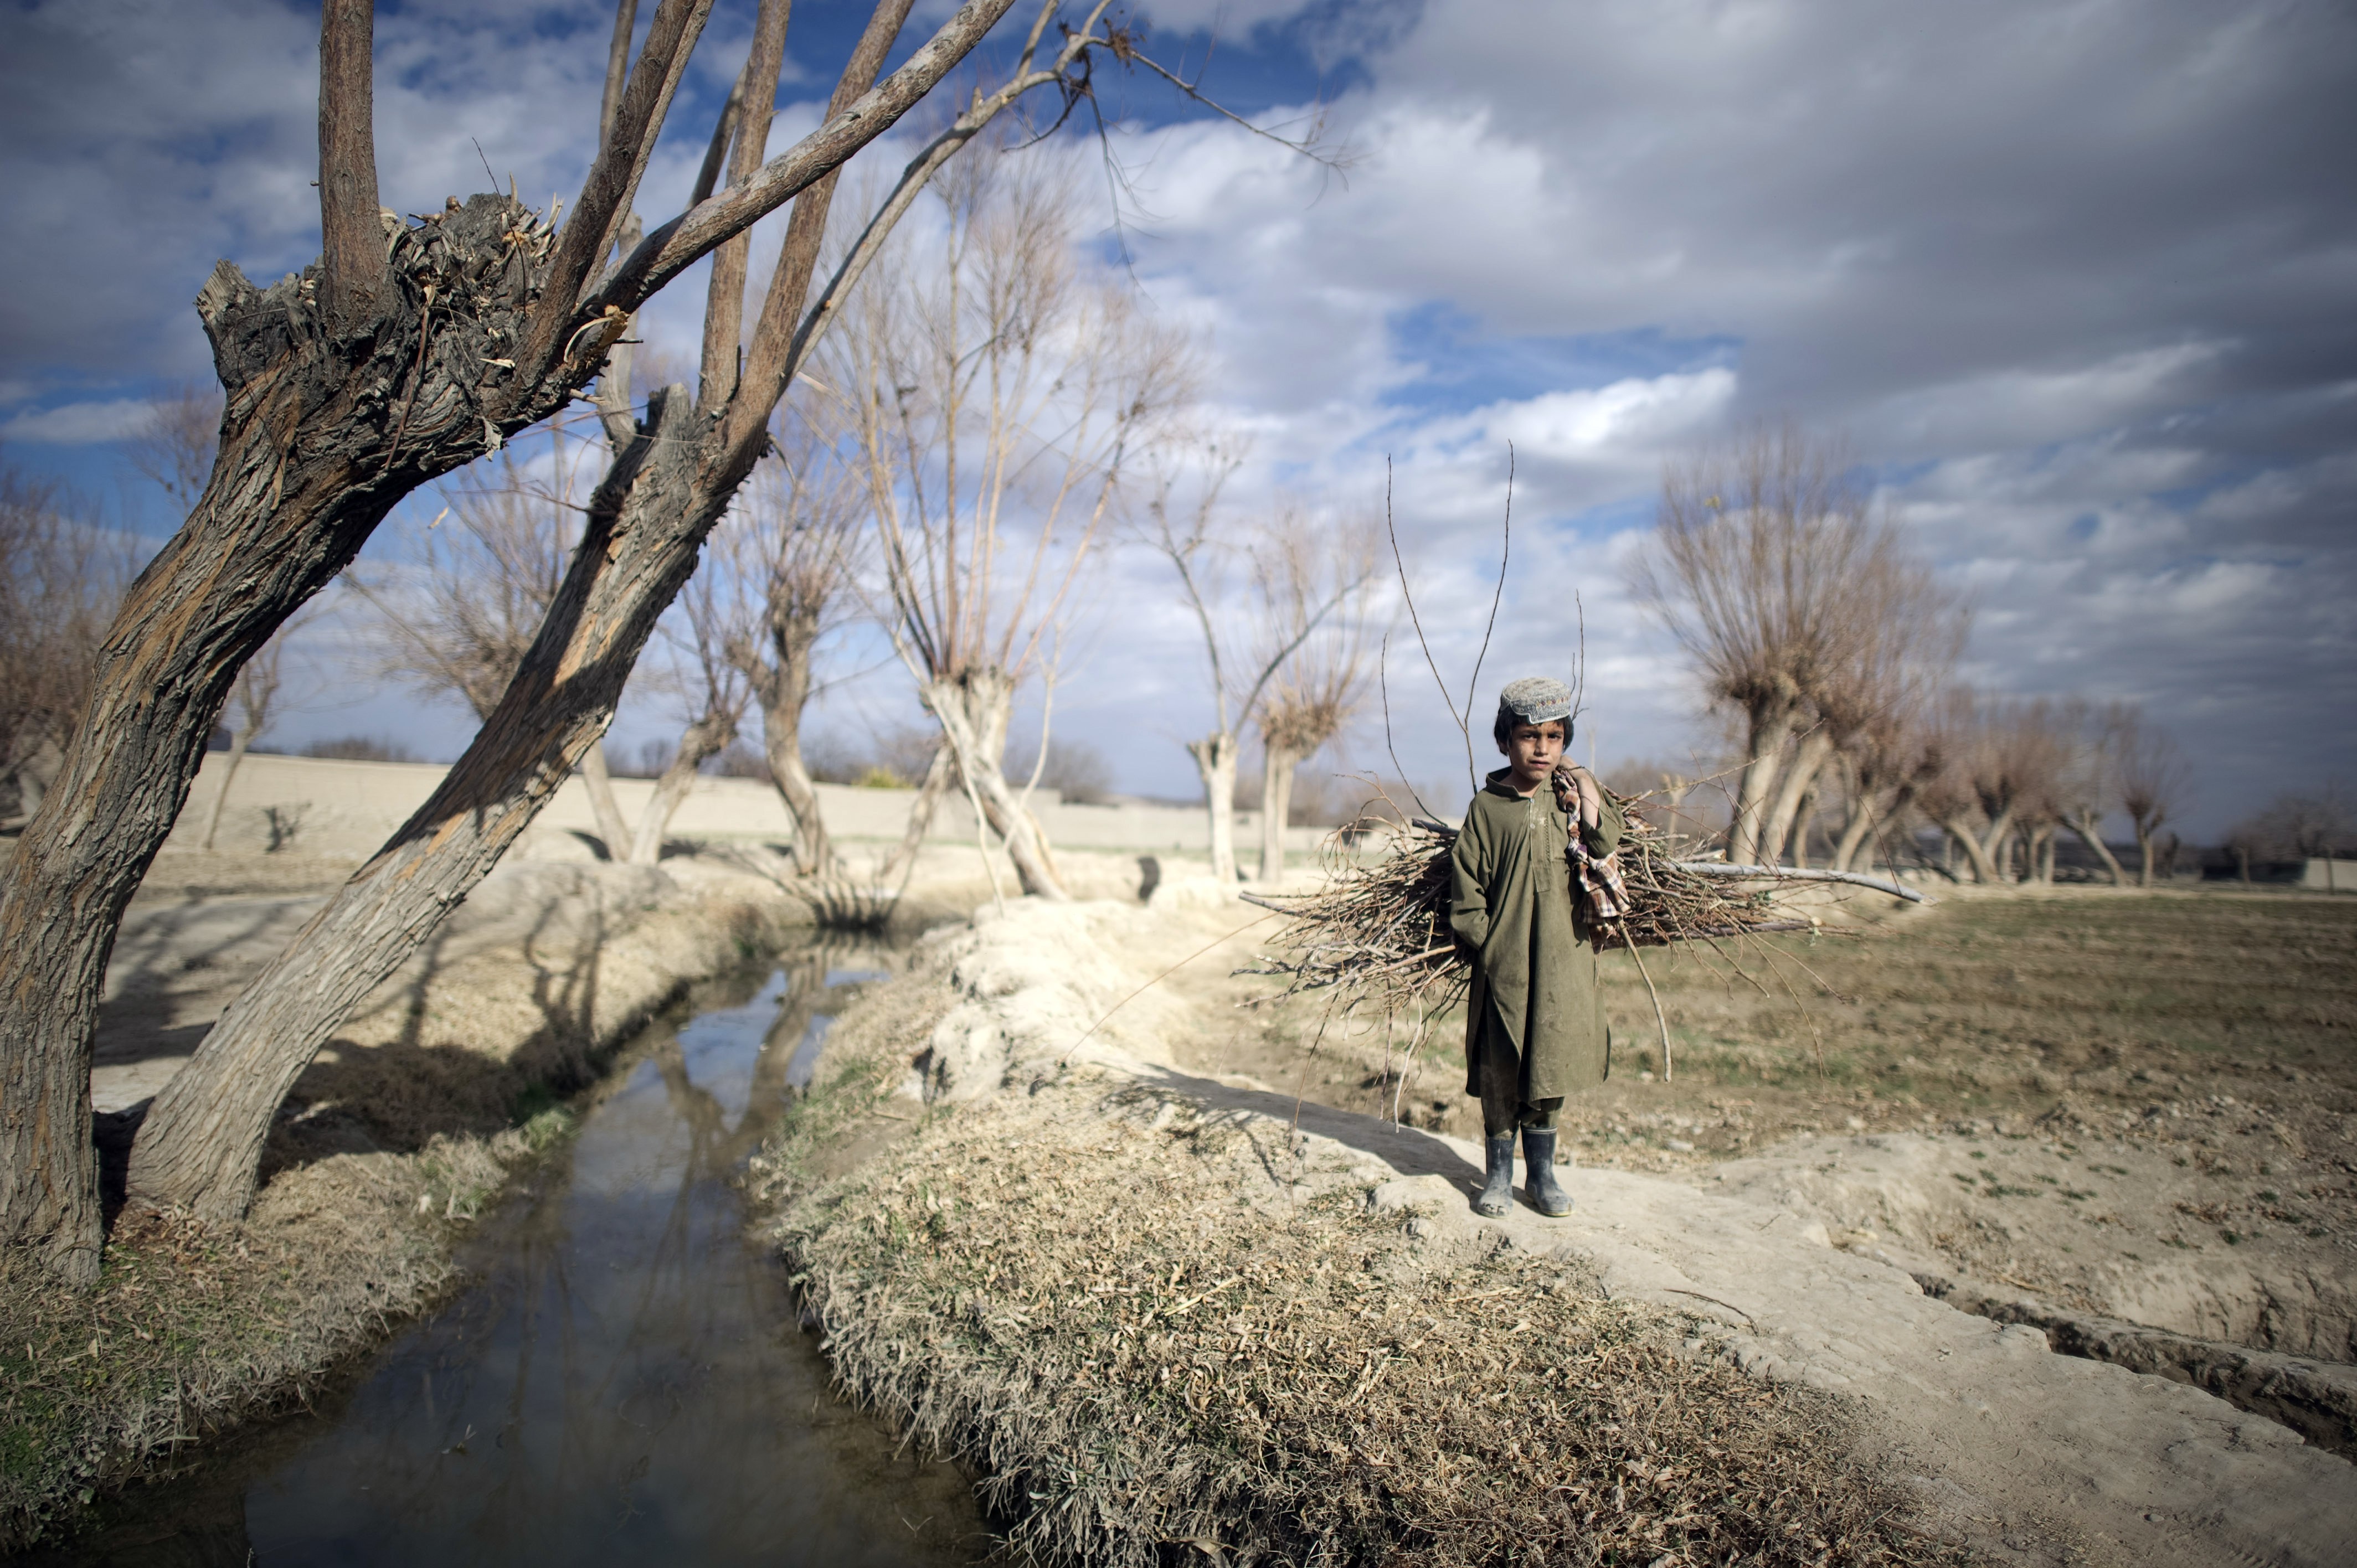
(1532, 751)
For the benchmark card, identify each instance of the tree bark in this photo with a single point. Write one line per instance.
(2144, 856)
(321, 434)
(1275, 807)
(1215, 761)
(352, 272)
(599, 785)
(973, 710)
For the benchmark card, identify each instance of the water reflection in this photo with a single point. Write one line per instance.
(624, 1383)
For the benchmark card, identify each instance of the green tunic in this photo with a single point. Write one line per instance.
(1534, 979)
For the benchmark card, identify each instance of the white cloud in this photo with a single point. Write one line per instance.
(81, 423)
(2074, 275)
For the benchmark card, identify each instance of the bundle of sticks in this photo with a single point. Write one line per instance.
(1378, 931)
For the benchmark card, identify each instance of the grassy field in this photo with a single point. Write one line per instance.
(1996, 1008)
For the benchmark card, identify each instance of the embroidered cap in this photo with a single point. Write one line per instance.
(1536, 698)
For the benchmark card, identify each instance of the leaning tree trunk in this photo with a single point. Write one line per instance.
(1800, 777)
(2089, 830)
(782, 687)
(607, 811)
(327, 424)
(237, 746)
(321, 432)
(1961, 832)
(903, 858)
(202, 1139)
(1277, 764)
(973, 709)
(1770, 730)
(1215, 760)
(704, 739)
(1995, 858)
(1861, 824)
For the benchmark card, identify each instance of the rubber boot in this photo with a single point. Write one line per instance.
(1546, 1193)
(1498, 1196)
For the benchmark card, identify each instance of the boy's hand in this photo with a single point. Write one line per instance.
(1575, 784)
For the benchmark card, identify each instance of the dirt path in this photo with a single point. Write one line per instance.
(2029, 1454)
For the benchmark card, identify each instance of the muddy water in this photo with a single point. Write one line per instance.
(623, 1383)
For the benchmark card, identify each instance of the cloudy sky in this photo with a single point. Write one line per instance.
(2078, 280)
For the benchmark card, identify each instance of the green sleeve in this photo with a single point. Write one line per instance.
(1605, 836)
(1468, 903)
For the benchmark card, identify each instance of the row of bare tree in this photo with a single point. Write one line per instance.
(1831, 649)
(411, 349)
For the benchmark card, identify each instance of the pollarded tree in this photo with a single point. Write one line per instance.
(790, 550)
(1998, 767)
(405, 353)
(646, 523)
(2153, 782)
(995, 391)
(1321, 678)
(1258, 596)
(1770, 568)
(2090, 782)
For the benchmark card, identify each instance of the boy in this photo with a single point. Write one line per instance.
(1534, 1025)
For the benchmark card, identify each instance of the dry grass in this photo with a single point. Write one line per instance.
(194, 1329)
(1078, 1296)
(1994, 1008)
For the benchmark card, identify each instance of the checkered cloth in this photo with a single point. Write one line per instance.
(1597, 890)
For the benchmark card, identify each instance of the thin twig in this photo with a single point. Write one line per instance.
(1668, 1071)
(1505, 554)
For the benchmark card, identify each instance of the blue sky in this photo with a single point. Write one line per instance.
(2078, 280)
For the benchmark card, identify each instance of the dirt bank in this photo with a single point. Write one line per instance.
(2005, 1447)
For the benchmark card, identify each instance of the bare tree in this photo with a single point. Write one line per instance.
(646, 524)
(175, 446)
(995, 395)
(2154, 781)
(258, 700)
(2090, 782)
(716, 692)
(1885, 765)
(1770, 569)
(1997, 770)
(2297, 827)
(406, 352)
(1321, 682)
(60, 577)
(459, 622)
(1256, 635)
(790, 550)
(1893, 650)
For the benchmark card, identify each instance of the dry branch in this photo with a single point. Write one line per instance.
(1378, 932)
